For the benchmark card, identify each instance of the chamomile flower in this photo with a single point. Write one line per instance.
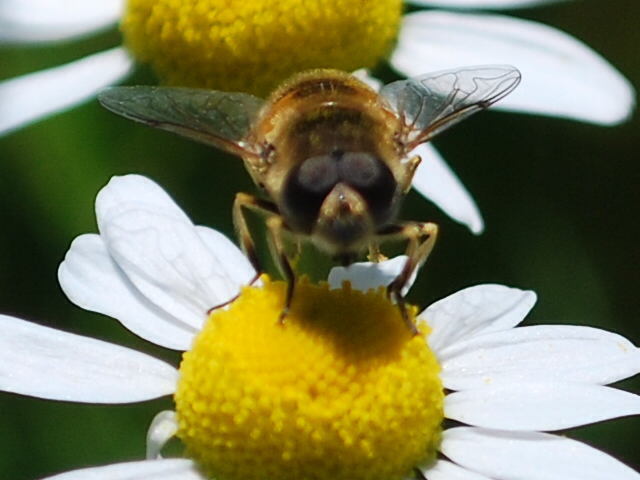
(340, 390)
(253, 46)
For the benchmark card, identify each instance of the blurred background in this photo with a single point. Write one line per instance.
(561, 202)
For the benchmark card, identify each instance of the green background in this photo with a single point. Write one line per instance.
(560, 200)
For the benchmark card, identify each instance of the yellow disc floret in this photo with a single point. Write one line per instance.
(253, 45)
(340, 391)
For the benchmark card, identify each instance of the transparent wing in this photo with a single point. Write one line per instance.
(221, 119)
(431, 103)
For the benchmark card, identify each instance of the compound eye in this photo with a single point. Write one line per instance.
(360, 170)
(373, 179)
(305, 190)
(317, 174)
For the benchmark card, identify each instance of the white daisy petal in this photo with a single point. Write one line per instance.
(170, 469)
(539, 406)
(133, 190)
(530, 456)
(560, 75)
(48, 363)
(473, 311)
(435, 180)
(91, 279)
(444, 470)
(50, 20)
(367, 275)
(163, 427)
(31, 97)
(240, 270)
(162, 252)
(489, 4)
(539, 353)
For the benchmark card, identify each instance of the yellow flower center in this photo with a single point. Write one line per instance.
(340, 391)
(253, 45)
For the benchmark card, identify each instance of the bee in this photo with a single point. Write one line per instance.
(330, 154)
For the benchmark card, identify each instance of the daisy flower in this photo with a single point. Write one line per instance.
(340, 390)
(247, 46)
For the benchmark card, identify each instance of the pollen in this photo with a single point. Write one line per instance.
(341, 390)
(252, 46)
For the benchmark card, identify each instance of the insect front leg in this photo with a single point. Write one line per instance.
(277, 230)
(245, 201)
(408, 172)
(375, 255)
(422, 237)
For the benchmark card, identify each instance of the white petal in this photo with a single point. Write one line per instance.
(539, 406)
(474, 311)
(367, 275)
(163, 427)
(48, 363)
(162, 252)
(444, 470)
(541, 352)
(435, 180)
(50, 20)
(530, 456)
(239, 270)
(91, 279)
(560, 75)
(28, 98)
(491, 4)
(170, 469)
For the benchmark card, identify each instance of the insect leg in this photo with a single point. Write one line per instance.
(245, 201)
(277, 229)
(375, 255)
(422, 238)
(410, 168)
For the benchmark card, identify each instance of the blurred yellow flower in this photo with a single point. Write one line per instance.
(253, 46)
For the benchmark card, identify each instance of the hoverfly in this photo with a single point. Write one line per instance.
(331, 156)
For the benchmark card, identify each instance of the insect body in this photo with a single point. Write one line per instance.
(331, 155)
